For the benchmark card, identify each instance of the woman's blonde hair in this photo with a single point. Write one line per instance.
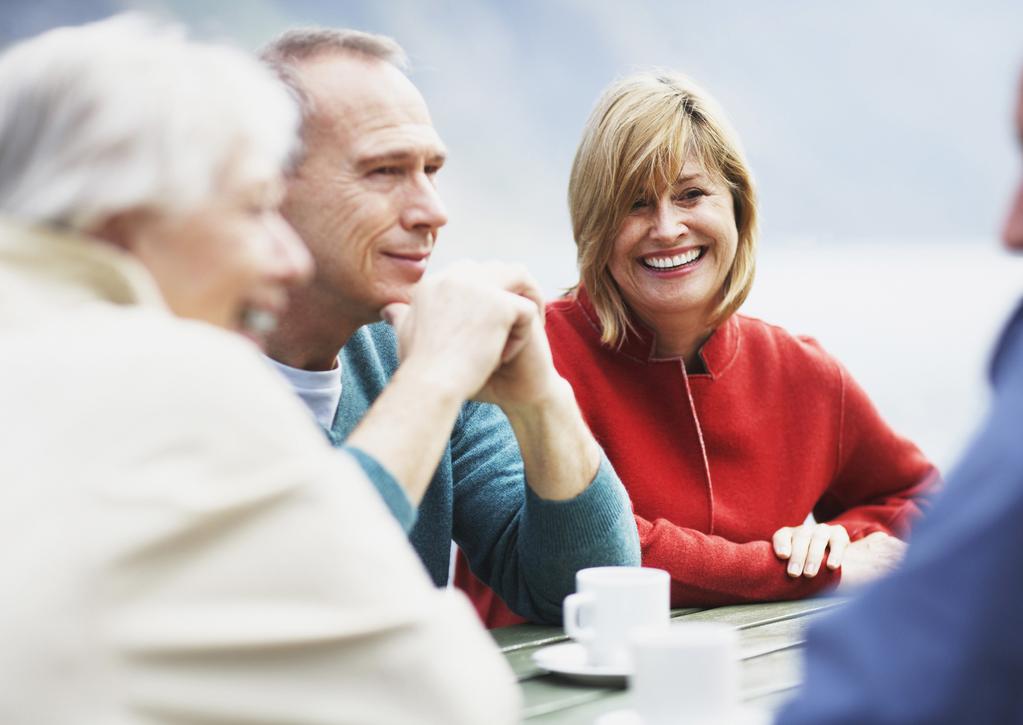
(635, 143)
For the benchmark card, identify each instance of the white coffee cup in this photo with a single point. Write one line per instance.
(687, 675)
(611, 601)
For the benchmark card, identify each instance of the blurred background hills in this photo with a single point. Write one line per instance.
(880, 134)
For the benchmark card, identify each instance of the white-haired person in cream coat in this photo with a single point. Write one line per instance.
(179, 543)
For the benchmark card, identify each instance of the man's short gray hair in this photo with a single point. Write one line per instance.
(299, 44)
(126, 113)
(292, 47)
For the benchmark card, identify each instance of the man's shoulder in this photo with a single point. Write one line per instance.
(1006, 413)
(1007, 361)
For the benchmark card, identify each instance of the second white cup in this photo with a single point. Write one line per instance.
(688, 675)
(612, 601)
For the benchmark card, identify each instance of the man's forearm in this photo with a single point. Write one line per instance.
(407, 429)
(558, 451)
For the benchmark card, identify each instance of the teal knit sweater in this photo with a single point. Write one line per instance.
(525, 548)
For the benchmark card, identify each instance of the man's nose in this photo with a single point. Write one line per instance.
(423, 206)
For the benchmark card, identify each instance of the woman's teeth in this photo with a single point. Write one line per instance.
(673, 262)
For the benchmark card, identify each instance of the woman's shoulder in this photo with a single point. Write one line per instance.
(140, 338)
(181, 365)
(802, 352)
(566, 314)
(563, 306)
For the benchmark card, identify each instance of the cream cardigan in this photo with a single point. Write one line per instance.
(177, 549)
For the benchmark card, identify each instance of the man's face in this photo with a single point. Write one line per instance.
(364, 199)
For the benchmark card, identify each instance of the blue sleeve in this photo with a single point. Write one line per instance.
(388, 488)
(940, 640)
(526, 548)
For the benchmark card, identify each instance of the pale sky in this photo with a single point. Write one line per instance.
(879, 132)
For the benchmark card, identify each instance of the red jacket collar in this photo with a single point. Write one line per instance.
(717, 353)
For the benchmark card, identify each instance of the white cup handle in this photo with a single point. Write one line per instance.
(574, 604)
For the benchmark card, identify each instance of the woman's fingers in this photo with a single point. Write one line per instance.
(815, 551)
(782, 541)
(800, 547)
(839, 543)
(805, 546)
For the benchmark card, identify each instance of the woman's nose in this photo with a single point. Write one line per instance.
(669, 221)
(294, 263)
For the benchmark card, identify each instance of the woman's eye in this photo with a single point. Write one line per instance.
(639, 204)
(690, 195)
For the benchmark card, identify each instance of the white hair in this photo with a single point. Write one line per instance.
(125, 114)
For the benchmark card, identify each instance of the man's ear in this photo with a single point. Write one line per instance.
(124, 229)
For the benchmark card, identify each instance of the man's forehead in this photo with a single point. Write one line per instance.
(367, 101)
(369, 143)
(361, 89)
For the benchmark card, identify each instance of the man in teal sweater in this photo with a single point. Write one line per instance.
(514, 477)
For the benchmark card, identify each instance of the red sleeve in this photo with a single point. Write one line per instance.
(708, 571)
(883, 481)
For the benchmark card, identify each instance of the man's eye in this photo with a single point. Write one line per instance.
(387, 171)
(431, 169)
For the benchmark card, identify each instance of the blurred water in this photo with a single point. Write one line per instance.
(913, 322)
(845, 112)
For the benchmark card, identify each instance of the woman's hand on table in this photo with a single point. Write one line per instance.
(804, 547)
(869, 558)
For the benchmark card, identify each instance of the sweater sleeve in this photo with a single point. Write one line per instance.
(526, 548)
(389, 489)
(882, 480)
(708, 570)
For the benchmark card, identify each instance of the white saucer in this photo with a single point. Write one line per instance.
(741, 715)
(568, 659)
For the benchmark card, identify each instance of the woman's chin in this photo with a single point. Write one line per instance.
(681, 300)
(255, 338)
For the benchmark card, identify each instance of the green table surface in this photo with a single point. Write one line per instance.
(771, 639)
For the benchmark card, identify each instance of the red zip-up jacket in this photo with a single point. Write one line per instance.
(716, 462)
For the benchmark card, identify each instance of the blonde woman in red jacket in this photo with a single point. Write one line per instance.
(727, 431)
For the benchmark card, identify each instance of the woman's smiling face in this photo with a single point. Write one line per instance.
(673, 253)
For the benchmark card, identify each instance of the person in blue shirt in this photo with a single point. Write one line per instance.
(941, 640)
